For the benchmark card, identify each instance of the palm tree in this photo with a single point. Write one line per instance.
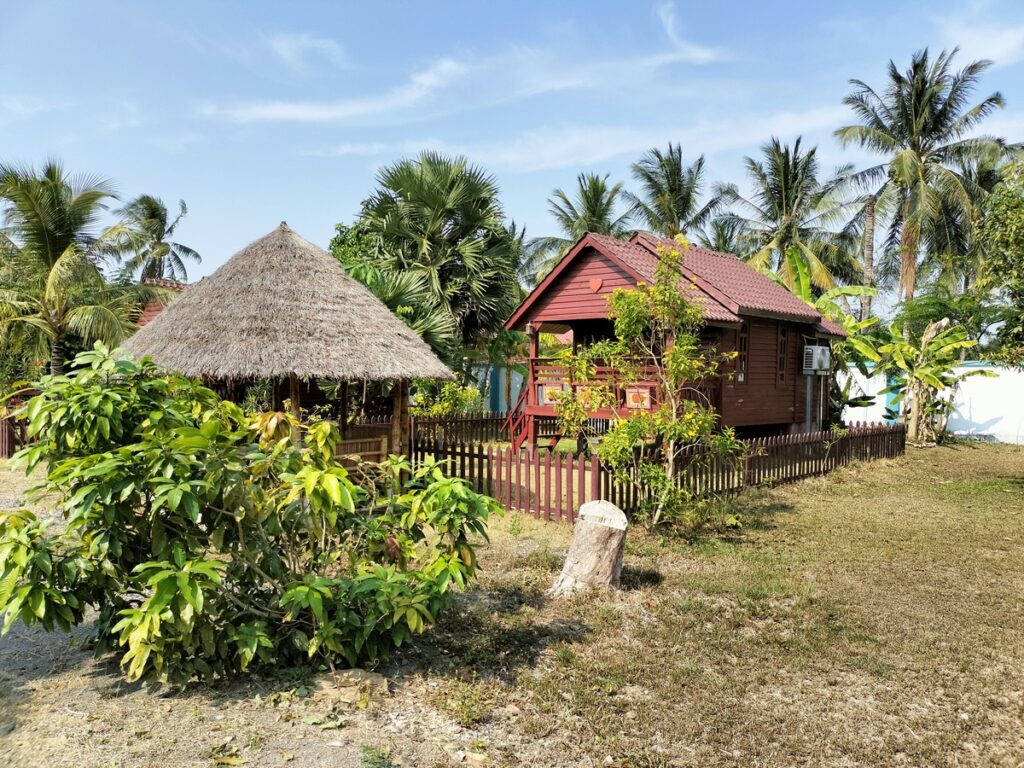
(670, 202)
(792, 215)
(921, 122)
(951, 239)
(405, 293)
(440, 218)
(723, 234)
(154, 254)
(593, 210)
(53, 289)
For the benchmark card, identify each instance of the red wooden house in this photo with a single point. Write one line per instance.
(768, 389)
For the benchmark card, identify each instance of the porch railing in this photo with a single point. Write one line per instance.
(550, 375)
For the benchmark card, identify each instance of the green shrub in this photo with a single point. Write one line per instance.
(209, 543)
(450, 400)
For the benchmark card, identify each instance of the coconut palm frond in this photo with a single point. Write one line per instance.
(143, 243)
(919, 123)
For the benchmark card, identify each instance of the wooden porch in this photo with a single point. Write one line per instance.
(548, 377)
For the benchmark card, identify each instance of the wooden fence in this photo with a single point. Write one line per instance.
(350, 452)
(12, 436)
(551, 485)
(483, 427)
(374, 428)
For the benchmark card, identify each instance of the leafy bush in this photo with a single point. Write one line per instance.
(451, 400)
(210, 544)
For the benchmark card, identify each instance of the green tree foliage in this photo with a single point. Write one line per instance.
(152, 252)
(450, 400)
(657, 340)
(210, 543)
(52, 289)
(976, 311)
(924, 375)
(1003, 238)
(923, 123)
(670, 202)
(594, 209)
(724, 233)
(834, 304)
(440, 219)
(793, 220)
(16, 366)
(405, 293)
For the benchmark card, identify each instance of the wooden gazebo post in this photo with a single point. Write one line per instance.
(294, 408)
(400, 417)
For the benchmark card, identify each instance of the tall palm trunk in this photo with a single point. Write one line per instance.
(57, 357)
(869, 255)
(909, 239)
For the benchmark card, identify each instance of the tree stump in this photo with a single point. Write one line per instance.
(595, 555)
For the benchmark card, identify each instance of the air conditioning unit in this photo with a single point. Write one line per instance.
(817, 359)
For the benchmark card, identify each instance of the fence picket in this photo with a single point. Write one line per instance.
(553, 486)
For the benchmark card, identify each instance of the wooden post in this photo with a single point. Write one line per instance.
(343, 422)
(399, 412)
(293, 407)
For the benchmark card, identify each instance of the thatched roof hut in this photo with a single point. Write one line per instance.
(284, 307)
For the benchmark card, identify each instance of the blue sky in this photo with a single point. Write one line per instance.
(256, 112)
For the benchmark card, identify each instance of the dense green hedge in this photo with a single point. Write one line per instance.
(209, 542)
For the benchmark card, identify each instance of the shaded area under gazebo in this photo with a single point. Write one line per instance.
(283, 308)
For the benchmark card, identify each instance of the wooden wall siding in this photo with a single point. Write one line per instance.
(572, 297)
(551, 485)
(762, 399)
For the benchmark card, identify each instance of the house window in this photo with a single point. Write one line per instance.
(742, 344)
(783, 349)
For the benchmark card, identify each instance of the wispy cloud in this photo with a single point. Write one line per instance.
(471, 81)
(21, 107)
(688, 51)
(580, 146)
(413, 92)
(979, 36)
(176, 143)
(121, 116)
(299, 51)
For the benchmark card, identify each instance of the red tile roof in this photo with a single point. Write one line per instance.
(644, 261)
(743, 289)
(154, 307)
(829, 328)
(162, 282)
(725, 286)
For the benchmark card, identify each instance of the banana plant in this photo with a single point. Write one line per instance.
(924, 375)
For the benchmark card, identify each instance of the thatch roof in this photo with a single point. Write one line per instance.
(280, 306)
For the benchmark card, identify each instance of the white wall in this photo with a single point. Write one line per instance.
(988, 408)
(866, 385)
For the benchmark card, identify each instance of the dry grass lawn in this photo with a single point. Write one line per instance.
(873, 617)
